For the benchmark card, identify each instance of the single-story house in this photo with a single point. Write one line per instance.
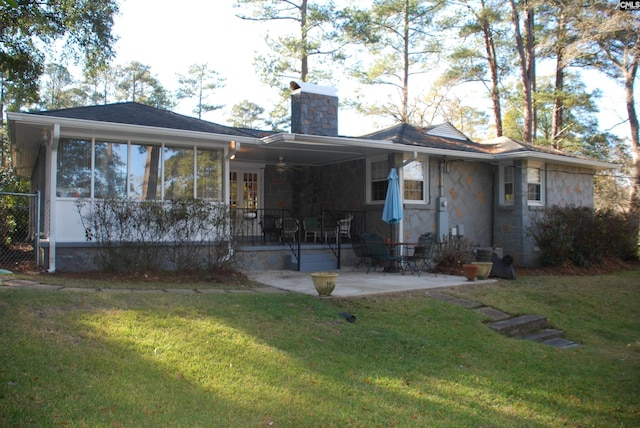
(487, 191)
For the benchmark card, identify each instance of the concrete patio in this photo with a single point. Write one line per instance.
(358, 283)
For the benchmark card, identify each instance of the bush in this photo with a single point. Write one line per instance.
(582, 236)
(188, 234)
(452, 253)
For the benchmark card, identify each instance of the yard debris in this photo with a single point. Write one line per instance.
(348, 317)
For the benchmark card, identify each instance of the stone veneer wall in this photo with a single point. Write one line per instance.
(564, 186)
(468, 187)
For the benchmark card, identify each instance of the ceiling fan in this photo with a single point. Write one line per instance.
(281, 166)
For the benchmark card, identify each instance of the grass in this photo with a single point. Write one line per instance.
(86, 359)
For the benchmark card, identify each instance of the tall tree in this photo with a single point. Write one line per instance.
(200, 81)
(246, 115)
(27, 27)
(55, 91)
(137, 84)
(476, 58)
(526, 52)
(397, 35)
(315, 38)
(611, 43)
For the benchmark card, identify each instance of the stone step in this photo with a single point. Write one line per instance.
(561, 343)
(542, 335)
(519, 326)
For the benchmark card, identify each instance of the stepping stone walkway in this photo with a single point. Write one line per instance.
(525, 327)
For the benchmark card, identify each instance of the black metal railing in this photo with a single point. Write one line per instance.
(280, 226)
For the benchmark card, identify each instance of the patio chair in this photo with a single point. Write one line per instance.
(379, 254)
(422, 254)
(288, 227)
(269, 227)
(360, 249)
(344, 228)
(312, 228)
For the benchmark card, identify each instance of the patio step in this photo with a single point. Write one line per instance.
(313, 262)
(542, 335)
(522, 325)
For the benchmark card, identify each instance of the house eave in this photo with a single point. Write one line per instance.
(548, 157)
(121, 128)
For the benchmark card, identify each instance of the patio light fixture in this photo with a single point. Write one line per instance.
(233, 149)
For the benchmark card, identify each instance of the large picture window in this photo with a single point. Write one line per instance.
(137, 170)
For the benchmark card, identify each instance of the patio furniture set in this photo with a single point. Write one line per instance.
(313, 228)
(377, 253)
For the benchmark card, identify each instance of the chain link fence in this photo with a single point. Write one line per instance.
(19, 231)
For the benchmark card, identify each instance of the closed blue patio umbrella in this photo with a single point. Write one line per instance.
(392, 211)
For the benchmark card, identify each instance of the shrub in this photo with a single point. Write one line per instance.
(188, 234)
(582, 236)
(453, 252)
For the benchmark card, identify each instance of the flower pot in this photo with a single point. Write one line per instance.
(470, 271)
(324, 282)
(485, 269)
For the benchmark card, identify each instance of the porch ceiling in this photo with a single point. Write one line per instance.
(319, 151)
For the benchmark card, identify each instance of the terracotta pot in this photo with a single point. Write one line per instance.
(470, 271)
(485, 269)
(324, 282)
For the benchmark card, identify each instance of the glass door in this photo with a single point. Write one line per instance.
(244, 199)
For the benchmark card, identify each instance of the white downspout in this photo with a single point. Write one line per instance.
(52, 151)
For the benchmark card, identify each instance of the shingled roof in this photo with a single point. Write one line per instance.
(442, 136)
(131, 113)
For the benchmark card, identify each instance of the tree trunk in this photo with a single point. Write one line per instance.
(526, 68)
(557, 121)
(492, 60)
(304, 57)
(404, 115)
(635, 139)
(558, 102)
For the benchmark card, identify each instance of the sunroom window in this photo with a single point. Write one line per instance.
(74, 168)
(137, 170)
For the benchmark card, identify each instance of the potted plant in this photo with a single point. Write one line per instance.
(470, 271)
(324, 282)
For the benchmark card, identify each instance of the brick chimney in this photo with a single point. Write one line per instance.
(314, 109)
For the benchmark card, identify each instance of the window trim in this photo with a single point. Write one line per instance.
(502, 181)
(541, 168)
(369, 182)
(425, 182)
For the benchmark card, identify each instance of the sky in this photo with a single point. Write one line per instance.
(170, 35)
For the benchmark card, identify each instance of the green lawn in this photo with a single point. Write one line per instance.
(98, 359)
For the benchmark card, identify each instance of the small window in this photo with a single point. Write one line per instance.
(507, 185)
(415, 181)
(535, 185)
(378, 171)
